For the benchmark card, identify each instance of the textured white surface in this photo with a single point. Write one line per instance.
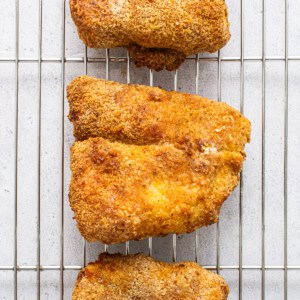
(51, 150)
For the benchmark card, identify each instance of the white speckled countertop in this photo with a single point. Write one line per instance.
(234, 247)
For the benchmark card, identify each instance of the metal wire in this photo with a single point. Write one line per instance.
(17, 12)
(197, 91)
(63, 42)
(107, 60)
(39, 147)
(117, 59)
(85, 72)
(286, 116)
(242, 89)
(263, 167)
(218, 225)
(127, 245)
(174, 236)
(209, 267)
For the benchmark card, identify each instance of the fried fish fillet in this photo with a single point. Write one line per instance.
(150, 162)
(117, 277)
(122, 192)
(137, 114)
(158, 34)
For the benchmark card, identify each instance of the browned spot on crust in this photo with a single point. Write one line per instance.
(155, 132)
(154, 96)
(106, 159)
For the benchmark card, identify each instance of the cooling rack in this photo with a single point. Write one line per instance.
(256, 244)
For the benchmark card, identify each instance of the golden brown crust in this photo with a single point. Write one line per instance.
(137, 114)
(179, 28)
(157, 162)
(122, 192)
(117, 277)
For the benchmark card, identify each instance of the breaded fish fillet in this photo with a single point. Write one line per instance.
(158, 34)
(136, 114)
(154, 162)
(122, 192)
(117, 277)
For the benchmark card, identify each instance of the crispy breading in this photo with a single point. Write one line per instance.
(156, 58)
(122, 192)
(153, 29)
(137, 114)
(154, 162)
(118, 277)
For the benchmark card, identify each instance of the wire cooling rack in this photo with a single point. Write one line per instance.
(256, 244)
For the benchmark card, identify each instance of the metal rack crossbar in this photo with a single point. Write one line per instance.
(220, 267)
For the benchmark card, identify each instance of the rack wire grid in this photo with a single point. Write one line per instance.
(256, 244)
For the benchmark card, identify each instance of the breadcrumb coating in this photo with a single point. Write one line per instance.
(158, 34)
(150, 162)
(122, 192)
(119, 277)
